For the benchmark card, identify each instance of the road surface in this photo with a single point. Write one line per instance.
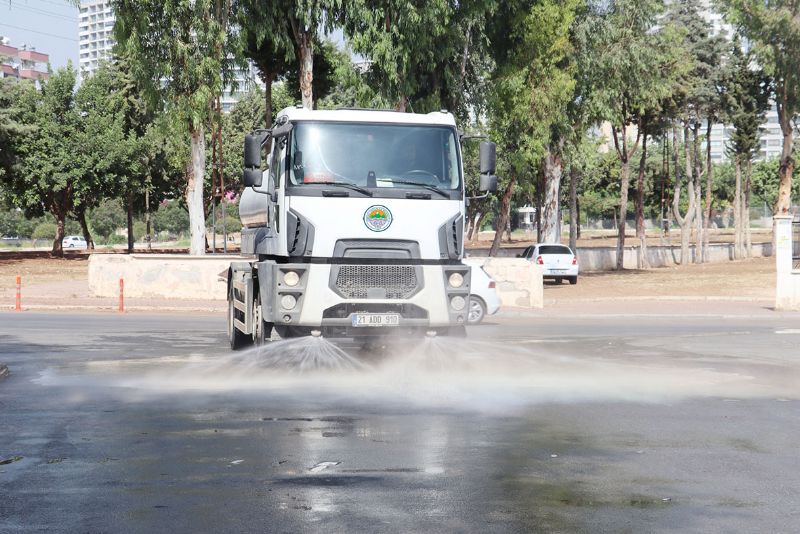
(147, 423)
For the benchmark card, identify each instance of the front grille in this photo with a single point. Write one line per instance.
(355, 281)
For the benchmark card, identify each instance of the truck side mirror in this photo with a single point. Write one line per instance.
(252, 177)
(252, 150)
(488, 159)
(488, 183)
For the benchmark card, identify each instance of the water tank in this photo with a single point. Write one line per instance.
(253, 209)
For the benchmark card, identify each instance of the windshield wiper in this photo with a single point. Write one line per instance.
(426, 186)
(348, 185)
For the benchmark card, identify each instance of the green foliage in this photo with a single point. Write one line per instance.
(44, 230)
(171, 217)
(14, 224)
(108, 217)
(139, 230)
(746, 101)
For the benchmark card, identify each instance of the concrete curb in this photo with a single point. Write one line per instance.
(4, 372)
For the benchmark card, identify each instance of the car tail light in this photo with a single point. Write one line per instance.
(539, 260)
(574, 260)
(492, 285)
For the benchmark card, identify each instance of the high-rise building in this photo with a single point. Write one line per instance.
(22, 62)
(771, 134)
(95, 39)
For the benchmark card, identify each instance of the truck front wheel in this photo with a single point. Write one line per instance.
(236, 337)
(262, 330)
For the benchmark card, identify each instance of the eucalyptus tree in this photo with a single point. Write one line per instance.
(181, 53)
(266, 39)
(697, 100)
(772, 27)
(746, 102)
(635, 64)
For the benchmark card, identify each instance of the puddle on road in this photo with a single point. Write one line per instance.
(447, 372)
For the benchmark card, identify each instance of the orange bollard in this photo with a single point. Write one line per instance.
(18, 306)
(121, 296)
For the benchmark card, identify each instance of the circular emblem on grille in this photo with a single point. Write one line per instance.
(378, 218)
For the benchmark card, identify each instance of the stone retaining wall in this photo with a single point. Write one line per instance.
(159, 275)
(519, 282)
(605, 258)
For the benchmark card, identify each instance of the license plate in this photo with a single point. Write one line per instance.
(558, 271)
(375, 319)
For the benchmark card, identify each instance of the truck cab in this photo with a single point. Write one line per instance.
(355, 224)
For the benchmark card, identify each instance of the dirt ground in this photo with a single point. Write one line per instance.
(38, 268)
(754, 279)
(746, 279)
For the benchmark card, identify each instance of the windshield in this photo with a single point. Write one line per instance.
(374, 155)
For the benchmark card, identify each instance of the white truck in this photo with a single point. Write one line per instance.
(355, 227)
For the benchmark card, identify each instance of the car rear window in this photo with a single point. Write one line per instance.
(554, 249)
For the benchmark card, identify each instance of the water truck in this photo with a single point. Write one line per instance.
(354, 223)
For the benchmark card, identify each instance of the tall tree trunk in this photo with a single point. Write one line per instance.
(539, 186)
(553, 169)
(268, 78)
(709, 192)
(505, 207)
(402, 103)
(624, 182)
(80, 214)
(748, 237)
(148, 226)
(573, 207)
(698, 193)
(129, 206)
(784, 201)
(305, 43)
(58, 246)
(737, 209)
(578, 216)
(640, 228)
(194, 194)
(684, 222)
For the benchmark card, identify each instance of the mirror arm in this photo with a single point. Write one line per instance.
(479, 197)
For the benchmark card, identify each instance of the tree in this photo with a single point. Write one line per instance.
(772, 27)
(635, 66)
(746, 103)
(266, 39)
(179, 51)
(306, 19)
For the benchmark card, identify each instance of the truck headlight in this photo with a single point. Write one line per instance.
(288, 302)
(456, 280)
(291, 278)
(458, 303)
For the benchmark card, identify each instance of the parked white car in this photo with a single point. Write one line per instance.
(558, 261)
(483, 299)
(73, 241)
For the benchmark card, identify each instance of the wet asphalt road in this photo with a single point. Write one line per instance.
(614, 424)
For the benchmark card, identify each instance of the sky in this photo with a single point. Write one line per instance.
(50, 26)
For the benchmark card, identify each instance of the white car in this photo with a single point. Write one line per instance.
(73, 241)
(483, 299)
(558, 261)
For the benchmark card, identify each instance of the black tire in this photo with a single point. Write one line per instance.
(573, 280)
(262, 330)
(476, 311)
(236, 337)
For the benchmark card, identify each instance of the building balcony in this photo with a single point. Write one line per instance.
(31, 74)
(33, 55)
(8, 70)
(8, 51)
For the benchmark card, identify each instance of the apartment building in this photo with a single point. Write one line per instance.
(22, 62)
